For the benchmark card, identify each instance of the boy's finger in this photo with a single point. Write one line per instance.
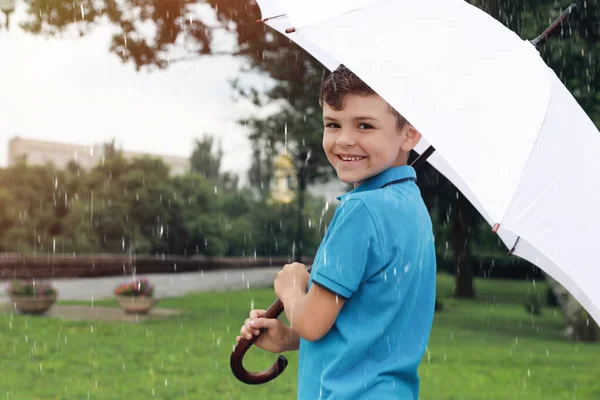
(248, 325)
(248, 330)
(257, 313)
(266, 323)
(245, 331)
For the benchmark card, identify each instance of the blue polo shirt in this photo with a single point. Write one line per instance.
(378, 254)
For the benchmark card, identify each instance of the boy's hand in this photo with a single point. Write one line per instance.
(276, 338)
(292, 279)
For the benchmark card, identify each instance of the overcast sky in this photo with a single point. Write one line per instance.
(73, 90)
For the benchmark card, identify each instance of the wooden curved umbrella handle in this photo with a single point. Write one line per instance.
(257, 378)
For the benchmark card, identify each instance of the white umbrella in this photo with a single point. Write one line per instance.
(499, 118)
(273, 16)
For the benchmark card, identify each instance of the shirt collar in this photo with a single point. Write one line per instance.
(387, 176)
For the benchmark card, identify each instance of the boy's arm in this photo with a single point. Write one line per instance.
(352, 245)
(311, 314)
(292, 342)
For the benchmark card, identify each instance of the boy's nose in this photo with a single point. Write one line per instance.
(346, 138)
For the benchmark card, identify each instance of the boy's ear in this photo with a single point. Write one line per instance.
(412, 137)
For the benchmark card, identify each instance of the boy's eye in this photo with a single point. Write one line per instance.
(332, 125)
(365, 126)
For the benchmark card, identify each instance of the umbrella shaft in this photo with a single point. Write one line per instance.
(554, 27)
(423, 157)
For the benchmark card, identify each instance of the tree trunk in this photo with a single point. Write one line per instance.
(464, 270)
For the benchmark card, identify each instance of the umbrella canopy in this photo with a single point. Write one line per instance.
(500, 119)
(274, 16)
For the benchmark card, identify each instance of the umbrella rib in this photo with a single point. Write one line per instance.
(260, 21)
(514, 246)
(293, 29)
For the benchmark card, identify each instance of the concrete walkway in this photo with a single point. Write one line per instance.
(166, 285)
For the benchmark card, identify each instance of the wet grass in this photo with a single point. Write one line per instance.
(490, 348)
(487, 348)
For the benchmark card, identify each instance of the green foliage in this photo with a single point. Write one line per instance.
(35, 206)
(533, 303)
(7, 211)
(29, 287)
(204, 162)
(136, 206)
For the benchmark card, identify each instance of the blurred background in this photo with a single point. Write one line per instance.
(143, 136)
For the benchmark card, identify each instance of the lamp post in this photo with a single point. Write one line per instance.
(7, 7)
(302, 164)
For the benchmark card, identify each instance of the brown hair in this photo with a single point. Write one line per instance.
(341, 82)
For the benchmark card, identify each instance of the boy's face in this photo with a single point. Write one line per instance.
(363, 140)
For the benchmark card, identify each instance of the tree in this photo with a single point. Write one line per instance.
(7, 213)
(179, 33)
(135, 206)
(200, 215)
(206, 161)
(261, 171)
(37, 198)
(448, 205)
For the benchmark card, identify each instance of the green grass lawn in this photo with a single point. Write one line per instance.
(488, 348)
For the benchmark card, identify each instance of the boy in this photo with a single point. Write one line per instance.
(361, 319)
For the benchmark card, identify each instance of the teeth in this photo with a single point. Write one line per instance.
(351, 158)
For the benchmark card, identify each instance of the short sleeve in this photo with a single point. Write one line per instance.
(350, 246)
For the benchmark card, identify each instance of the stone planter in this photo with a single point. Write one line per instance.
(136, 304)
(36, 305)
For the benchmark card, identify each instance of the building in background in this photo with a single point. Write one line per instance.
(38, 152)
(284, 179)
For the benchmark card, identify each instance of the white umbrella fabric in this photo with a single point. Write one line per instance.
(273, 16)
(501, 121)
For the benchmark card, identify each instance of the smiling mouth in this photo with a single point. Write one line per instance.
(350, 159)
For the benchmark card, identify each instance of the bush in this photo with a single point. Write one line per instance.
(551, 299)
(533, 304)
